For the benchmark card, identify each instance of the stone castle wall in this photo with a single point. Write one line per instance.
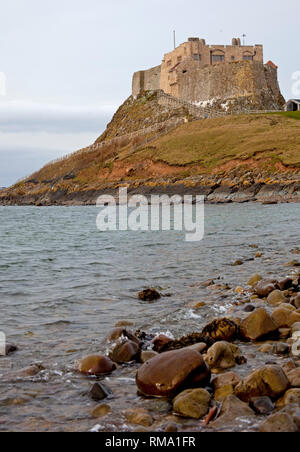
(201, 55)
(231, 80)
(148, 80)
(197, 72)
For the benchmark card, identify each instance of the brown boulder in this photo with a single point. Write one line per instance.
(294, 377)
(124, 352)
(30, 371)
(268, 381)
(221, 356)
(170, 372)
(193, 403)
(285, 283)
(279, 423)
(296, 301)
(139, 416)
(257, 325)
(160, 342)
(262, 405)
(285, 318)
(224, 392)
(264, 287)
(292, 396)
(101, 411)
(96, 365)
(254, 280)
(229, 378)
(232, 408)
(147, 355)
(121, 333)
(276, 298)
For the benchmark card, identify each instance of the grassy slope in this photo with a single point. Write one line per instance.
(215, 142)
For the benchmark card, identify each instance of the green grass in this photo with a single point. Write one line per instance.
(290, 114)
(215, 142)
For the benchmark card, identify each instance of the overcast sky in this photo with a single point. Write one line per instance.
(68, 63)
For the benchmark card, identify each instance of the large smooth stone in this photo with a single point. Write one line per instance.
(96, 365)
(171, 372)
(268, 381)
(257, 325)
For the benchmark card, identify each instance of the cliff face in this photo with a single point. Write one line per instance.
(245, 84)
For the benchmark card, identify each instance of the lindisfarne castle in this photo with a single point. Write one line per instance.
(230, 75)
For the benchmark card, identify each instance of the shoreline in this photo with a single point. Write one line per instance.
(214, 194)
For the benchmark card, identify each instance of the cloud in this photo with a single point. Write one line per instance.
(25, 116)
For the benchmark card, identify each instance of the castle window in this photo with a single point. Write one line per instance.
(232, 58)
(247, 57)
(217, 58)
(169, 63)
(184, 71)
(196, 57)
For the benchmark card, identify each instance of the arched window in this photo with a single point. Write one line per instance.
(217, 56)
(248, 56)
